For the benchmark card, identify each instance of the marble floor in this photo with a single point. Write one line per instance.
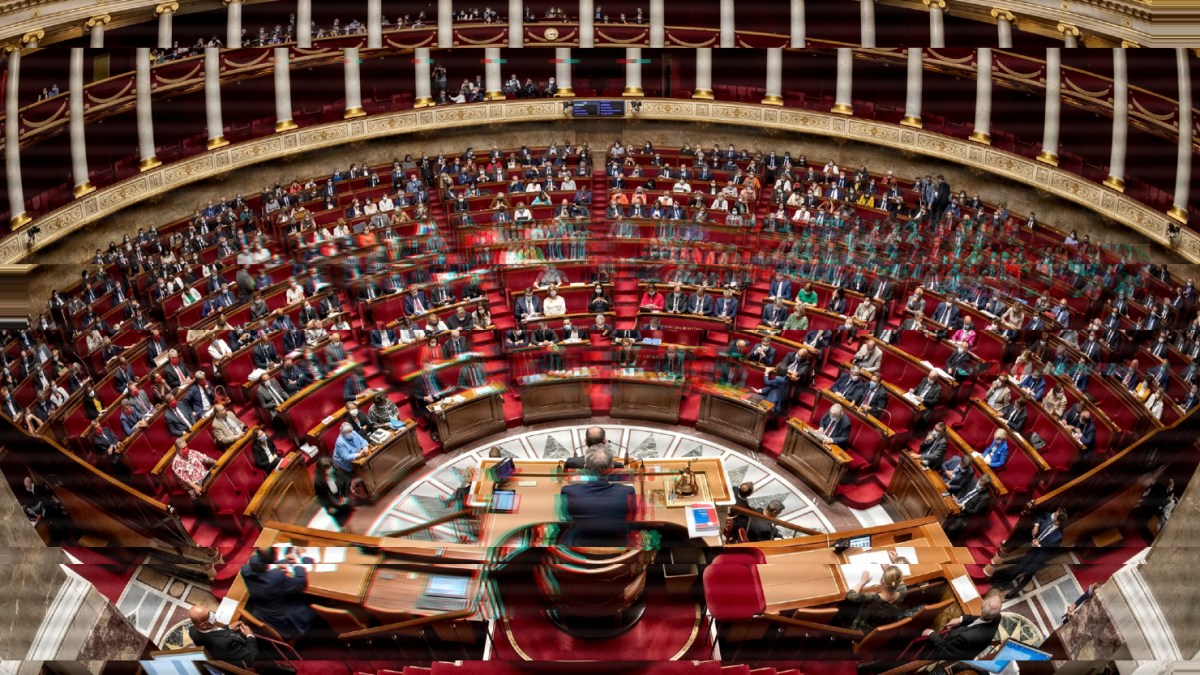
(156, 603)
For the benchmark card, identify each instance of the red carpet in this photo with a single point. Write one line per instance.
(109, 575)
(671, 628)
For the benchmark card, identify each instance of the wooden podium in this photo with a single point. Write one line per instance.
(470, 414)
(821, 465)
(918, 491)
(646, 397)
(732, 414)
(556, 397)
(389, 461)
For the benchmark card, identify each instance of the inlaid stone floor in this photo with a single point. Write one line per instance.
(156, 603)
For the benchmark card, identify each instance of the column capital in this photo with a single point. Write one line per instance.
(1068, 29)
(1129, 44)
(101, 20)
(32, 37)
(1003, 14)
(166, 7)
(930, 4)
(230, 2)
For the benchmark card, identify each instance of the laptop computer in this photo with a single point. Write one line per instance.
(445, 593)
(1009, 651)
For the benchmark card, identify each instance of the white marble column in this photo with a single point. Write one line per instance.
(233, 24)
(915, 87)
(304, 24)
(562, 72)
(1004, 26)
(1183, 166)
(843, 100)
(774, 93)
(1070, 35)
(166, 14)
(866, 11)
(423, 77)
(492, 88)
(796, 14)
(728, 25)
(351, 61)
(703, 74)
(1120, 132)
(1049, 153)
(145, 116)
(445, 24)
(283, 90)
(79, 164)
(983, 97)
(587, 24)
(937, 27)
(374, 24)
(633, 72)
(95, 26)
(12, 151)
(658, 24)
(516, 23)
(212, 99)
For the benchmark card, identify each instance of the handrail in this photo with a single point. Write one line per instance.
(848, 633)
(386, 630)
(773, 520)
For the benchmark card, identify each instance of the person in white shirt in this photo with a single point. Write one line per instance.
(370, 209)
(260, 255)
(386, 204)
(801, 216)
(533, 187)
(719, 204)
(295, 293)
(681, 186)
(568, 184)
(219, 349)
(555, 304)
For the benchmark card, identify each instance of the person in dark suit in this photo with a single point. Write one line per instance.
(760, 529)
(932, 450)
(740, 521)
(527, 306)
(332, 488)
(973, 507)
(263, 354)
(850, 385)
(700, 303)
(266, 457)
(599, 510)
(835, 424)
(276, 596)
(928, 391)
(234, 644)
(175, 371)
(763, 352)
(178, 416)
(1014, 415)
(1047, 535)
(416, 302)
(968, 635)
(875, 398)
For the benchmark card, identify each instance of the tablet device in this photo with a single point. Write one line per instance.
(504, 501)
(861, 542)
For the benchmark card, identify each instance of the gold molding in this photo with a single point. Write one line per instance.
(493, 96)
(84, 188)
(1111, 205)
(356, 111)
(166, 7)
(633, 92)
(1068, 29)
(423, 102)
(564, 92)
(910, 121)
(149, 163)
(998, 14)
(1048, 158)
(33, 37)
(102, 19)
(218, 142)
(1115, 183)
(1129, 44)
(772, 99)
(703, 94)
(285, 125)
(1178, 214)
(981, 137)
(21, 220)
(842, 109)
(930, 4)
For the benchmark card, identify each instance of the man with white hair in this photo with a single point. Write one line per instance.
(835, 425)
(969, 635)
(349, 447)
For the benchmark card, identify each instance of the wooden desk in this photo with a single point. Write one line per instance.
(822, 466)
(540, 501)
(347, 583)
(731, 414)
(804, 572)
(646, 396)
(546, 397)
(469, 414)
(385, 464)
(287, 495)
(918, 491)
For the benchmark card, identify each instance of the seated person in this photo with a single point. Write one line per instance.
(599, 510)
(973, 505)
(726, 306)
(932, 450)
(763, 353)
(868, 611)
(835, 425)
(775, 315)
(968, 635)
(875, 399)
(850, 385)
(927, 391)
(276, 596)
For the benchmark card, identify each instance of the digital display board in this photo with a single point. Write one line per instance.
(598, 108)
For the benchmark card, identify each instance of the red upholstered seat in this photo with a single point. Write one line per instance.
(740, 556)
(733, 591)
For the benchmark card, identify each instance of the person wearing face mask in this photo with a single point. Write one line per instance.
(93, 407)
(875, 399)
(554, 305)
(850, 386)
(178, 416)
(266, 457)
(932, 451)
(959, 365)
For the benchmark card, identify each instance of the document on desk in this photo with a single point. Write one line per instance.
(965, 588)
(852, 573)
